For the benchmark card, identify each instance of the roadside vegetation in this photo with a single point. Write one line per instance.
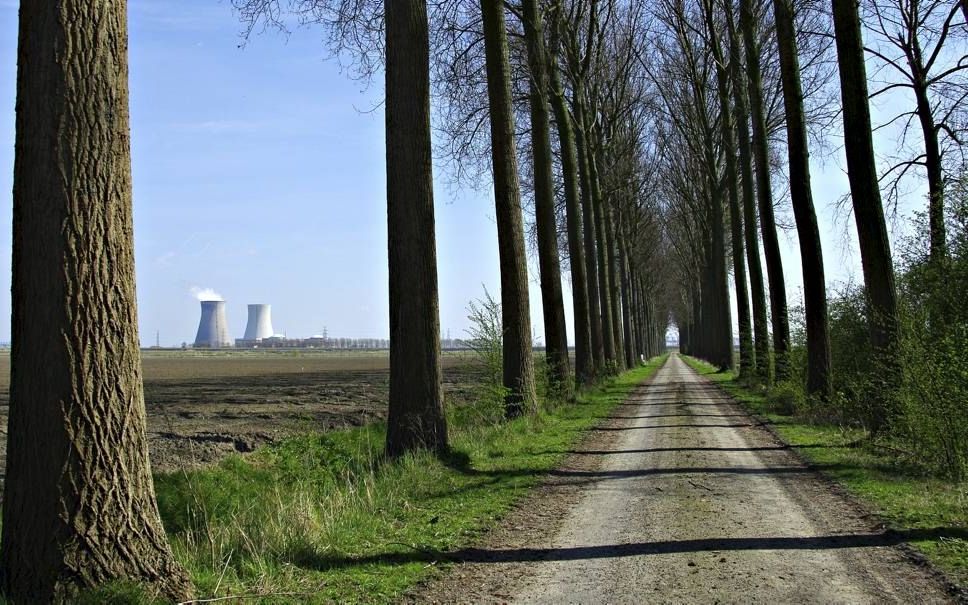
(911, 495)
(326, 518)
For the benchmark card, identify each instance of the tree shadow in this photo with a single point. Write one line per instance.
(674, 426)
(610, 551)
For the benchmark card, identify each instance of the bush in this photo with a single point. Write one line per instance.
(486, 340)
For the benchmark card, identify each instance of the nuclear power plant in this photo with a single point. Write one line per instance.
(259, 325)
(213, 332)
(213, 329)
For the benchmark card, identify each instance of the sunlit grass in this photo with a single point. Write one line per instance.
(322, 518)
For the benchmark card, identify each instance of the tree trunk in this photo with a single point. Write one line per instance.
(631, 347)
(613, 279)
(79, 505)
(601, 250)
(932, 162)
(761, 333)
(808, 233)
(416, 412)
(591, 265)
(746, 354)
(518, 361)
(761, 153)
(875, 248)
(584, 371)
(556, 339)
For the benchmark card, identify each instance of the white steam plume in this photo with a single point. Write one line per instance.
(205, 294)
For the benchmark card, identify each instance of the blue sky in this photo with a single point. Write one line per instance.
(259, 173)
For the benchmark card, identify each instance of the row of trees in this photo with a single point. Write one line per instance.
(643, 141)
(79, 507)
(739, 82)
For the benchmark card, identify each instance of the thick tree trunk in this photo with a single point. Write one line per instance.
(761, 153)
(808, 233)
(590, 236)
(556, 338)
(79, 506)
(761, 333)
(416, 412)
(875, 248)
(518, 361)
(584, 370)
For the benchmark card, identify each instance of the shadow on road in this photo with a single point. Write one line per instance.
(484, 555)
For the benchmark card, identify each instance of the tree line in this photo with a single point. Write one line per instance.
(635, 148)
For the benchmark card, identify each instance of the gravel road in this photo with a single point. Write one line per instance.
(682, 498)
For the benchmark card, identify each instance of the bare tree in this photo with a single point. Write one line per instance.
(764, 187)
(518, 362)
(416, 411)
(919, 43)
(556, 340)
(811, 253)
(875, 249)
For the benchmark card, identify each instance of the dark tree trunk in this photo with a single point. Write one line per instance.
(79, 505)
(875, 249)
(591, 263)
(761, 333)
(556, 339)
(584, 371)
(761, 153)
(808, 233)
(601, 249)
(746, 354)
(416, 412)
(631, 347)
(613, 279)
(518, 361)
(932, 162)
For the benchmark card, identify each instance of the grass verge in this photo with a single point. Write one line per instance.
(933, 511)
(320, 518)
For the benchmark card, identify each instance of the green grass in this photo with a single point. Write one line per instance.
(323, 517)
(932, 511)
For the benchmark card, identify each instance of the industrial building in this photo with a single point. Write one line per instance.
(213, 329)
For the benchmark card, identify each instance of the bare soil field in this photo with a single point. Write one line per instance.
(203, 406)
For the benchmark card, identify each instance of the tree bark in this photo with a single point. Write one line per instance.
(518, 361)
(875, 249)
(761, 333)
(616, 293)
(746, 354)
(79, 506)
(416, 412)
(601, 249)
(631, 346)
(808, 233)
(590, 236)
(584, 370)
(761, 153)
(556, 339)
(932, 163)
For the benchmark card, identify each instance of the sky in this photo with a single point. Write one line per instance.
(259, 173)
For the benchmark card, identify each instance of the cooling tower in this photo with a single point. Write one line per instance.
(213, 330)
(260, 323)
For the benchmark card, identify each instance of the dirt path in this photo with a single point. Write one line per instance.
(682, 498)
